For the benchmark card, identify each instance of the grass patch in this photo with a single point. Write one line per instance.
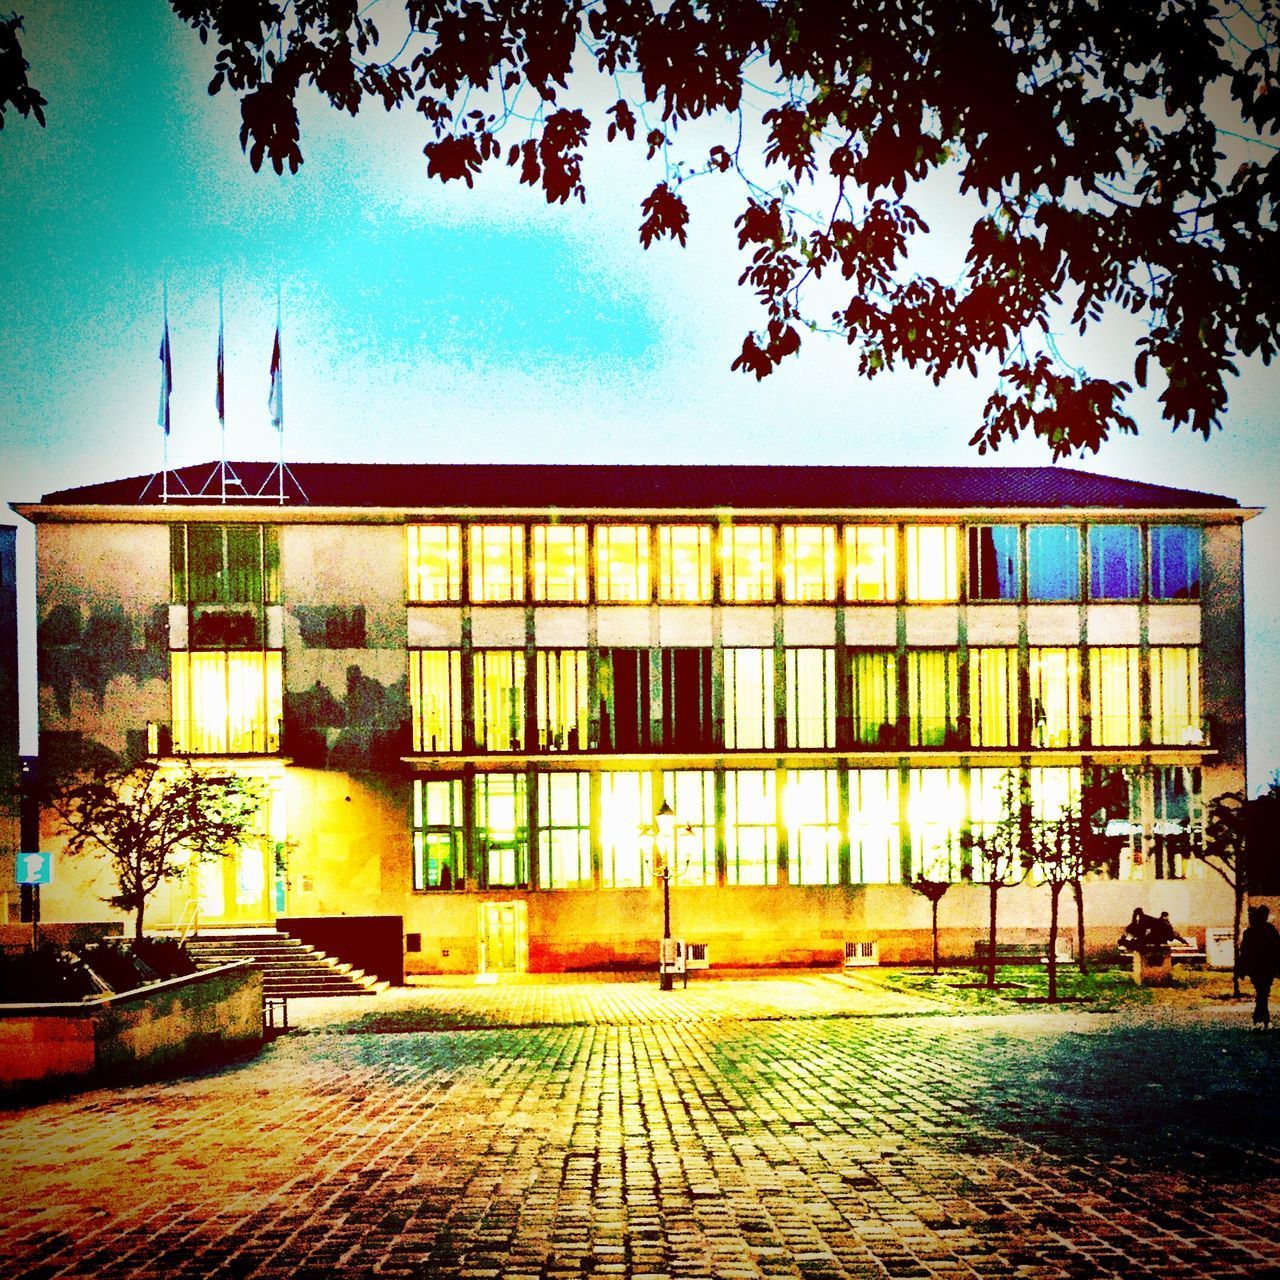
(1111, 987)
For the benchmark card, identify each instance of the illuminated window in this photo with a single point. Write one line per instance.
(995, 802)
(439, 860)
(564, 831)
(226, 702)
(224, 564)
(875, 697)
(933, 697)
(1175, 562)
(435, 563)
(811, 697)
(435, 699)
(871, 563)
(563, 705)
(746, 566)
(497, 563)
(993, 697)
(499, 699)
(933, 571)
(502, 829)
(1055, 697)
(1053, 562)
(622, 563)
(935, 814)
(1055, 793)
(1177, 814)
(1115, 556)
(751, 831)
(875, 842)
(684, 562)
(626, 822)
(812, 807)
(687, 723)
(692, 794)
(808, 562)
(560, 562)
(622, 682)
(1175, 695)
(1113, 688)
(748, 699)
(993, 563)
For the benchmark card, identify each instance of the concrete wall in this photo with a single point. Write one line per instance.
(179, 1024)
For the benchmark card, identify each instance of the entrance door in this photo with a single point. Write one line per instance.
(504, 946)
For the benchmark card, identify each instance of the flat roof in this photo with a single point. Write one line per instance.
(597, 487)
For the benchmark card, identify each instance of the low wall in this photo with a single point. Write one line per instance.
(180, 1023)
(17, 937)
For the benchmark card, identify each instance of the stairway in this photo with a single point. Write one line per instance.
(289, 967)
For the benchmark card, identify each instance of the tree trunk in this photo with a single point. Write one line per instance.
(992, 890)
(137, 926)
(1054, 890)
(935, 935)
(1078, 889)
(1235, 935)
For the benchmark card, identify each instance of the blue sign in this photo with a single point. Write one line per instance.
(35, 868)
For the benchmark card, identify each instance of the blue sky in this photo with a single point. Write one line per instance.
(431, 324)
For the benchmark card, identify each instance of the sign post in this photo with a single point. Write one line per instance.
(31, 871)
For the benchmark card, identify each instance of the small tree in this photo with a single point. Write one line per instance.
(997, 855)
(1224, 847)
(934, 891)
(152, 822)
(1055, 854)
(1104, 794)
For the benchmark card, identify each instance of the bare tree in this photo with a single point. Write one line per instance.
(1225, 848)
(997, 857)
(151, 821)
(934, 890)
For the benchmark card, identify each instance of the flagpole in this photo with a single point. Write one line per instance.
(280, 394)
(220, 398)
(165, 388)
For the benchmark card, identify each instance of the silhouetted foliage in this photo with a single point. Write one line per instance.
(1085, 143)
(16, 90)
(934, 891)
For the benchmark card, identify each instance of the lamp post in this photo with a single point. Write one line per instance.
(664, 830)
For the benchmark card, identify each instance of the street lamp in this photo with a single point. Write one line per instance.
(663, 829)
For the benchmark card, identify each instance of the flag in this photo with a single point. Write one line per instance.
(220, 389)
(166, 375)
(275, 397)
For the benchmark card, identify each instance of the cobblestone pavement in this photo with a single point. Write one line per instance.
(716, 1135)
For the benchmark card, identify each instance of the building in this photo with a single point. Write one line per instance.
(9, 745)
(471, 688)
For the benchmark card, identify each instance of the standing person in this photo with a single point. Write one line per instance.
(1259, 960)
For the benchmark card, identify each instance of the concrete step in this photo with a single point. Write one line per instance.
(289, 967)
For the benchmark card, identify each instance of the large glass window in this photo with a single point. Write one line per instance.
(1053, 562)
(746, 567)
(692, 794)
(875, 697)
(1175, 695)
(499, 699)
(933, 562)
(1177, 815)
(226, 702)
(687, 723)
(563, 704)
(626, 822)
(1055, 793)
(560, 562)
(993, 562)
(439, 860)
(811, 805)
(811, 697)
(502, 829)
(933, 697)
(748, 699)
(808, 562)
(1115, 562)
(224, 564)
(1055, 697)
(622, 563)
(622, 680)
(1113, 688)
(564, 831)
(1175, 562)
(871, 563)
(993, 697)
(684, 562)
(875, 842)
(435, 699)
(497, 563)
(935, 813)
(751, 831)
(435, 563)
(995, 799)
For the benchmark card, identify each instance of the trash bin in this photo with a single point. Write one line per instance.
(1218, 950)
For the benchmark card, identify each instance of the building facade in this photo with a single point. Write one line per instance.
(470, 690)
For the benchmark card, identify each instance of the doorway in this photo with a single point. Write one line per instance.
(504, 939)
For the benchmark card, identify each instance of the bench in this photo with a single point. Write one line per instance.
(275, 1014)
(1186, 953)
(1013, 952)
